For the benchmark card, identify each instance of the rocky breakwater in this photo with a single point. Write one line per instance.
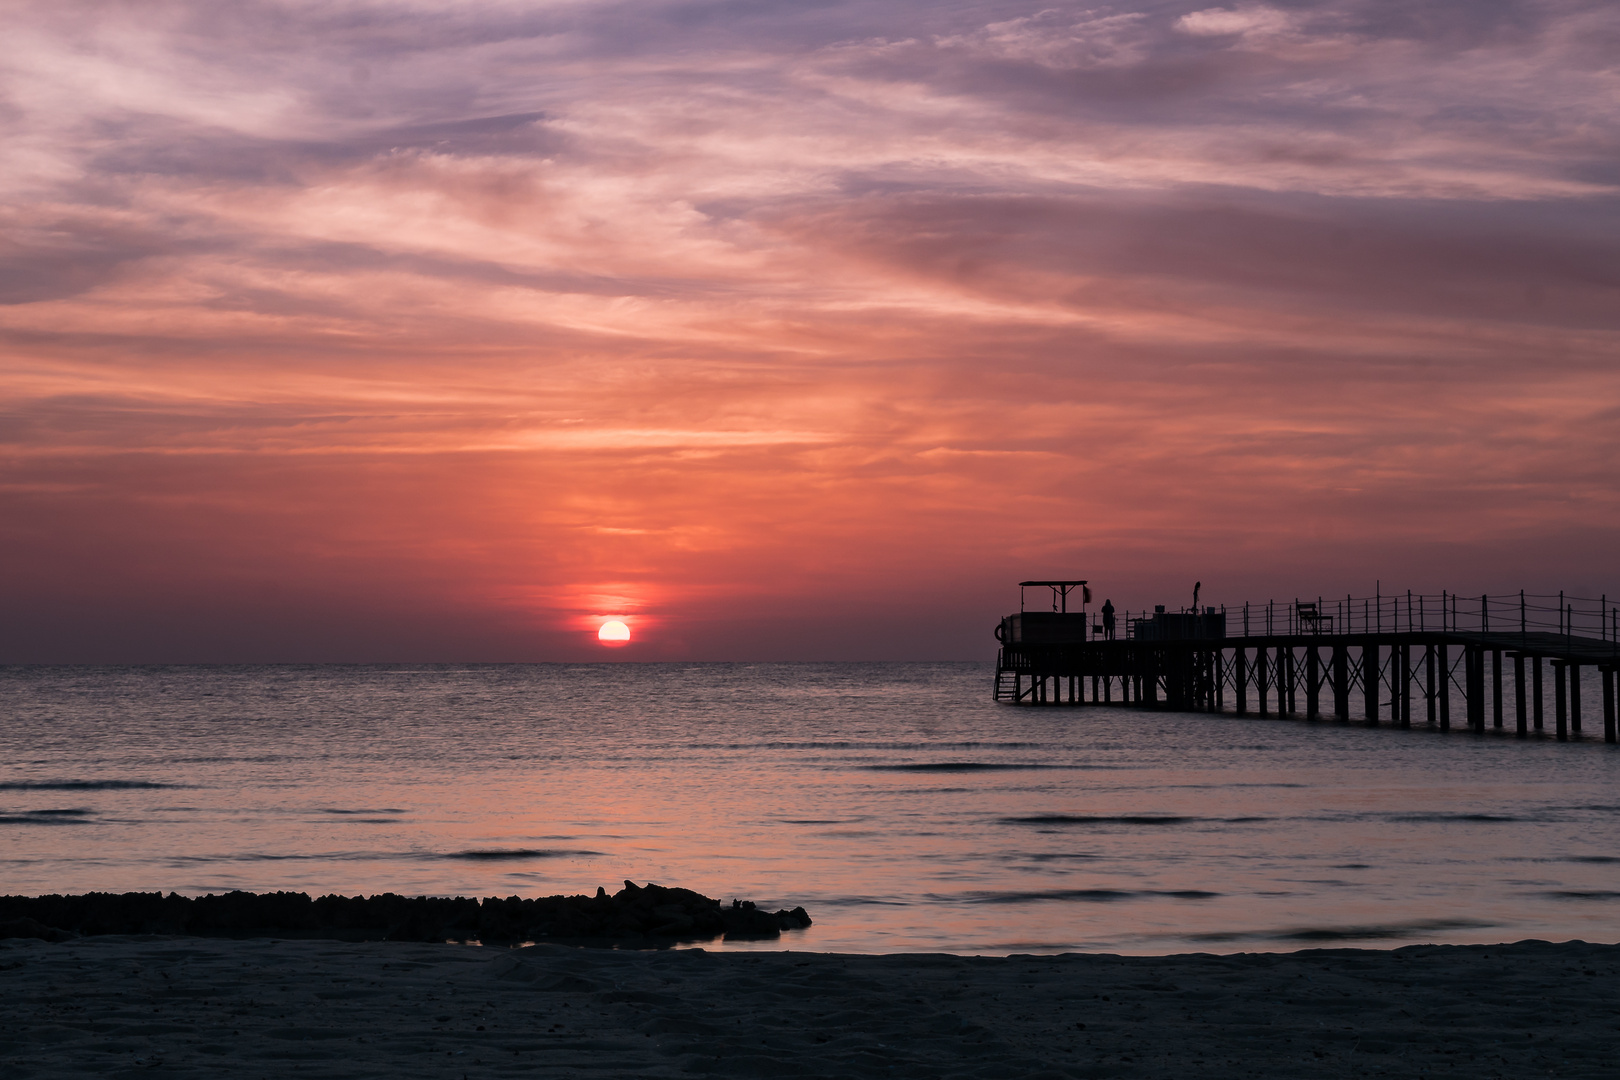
(636, 915)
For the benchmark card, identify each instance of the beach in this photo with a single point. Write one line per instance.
(161, 1006)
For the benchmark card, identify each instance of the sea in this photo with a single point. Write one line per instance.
(896, 802)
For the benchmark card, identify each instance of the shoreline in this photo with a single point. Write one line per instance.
(261, 1007)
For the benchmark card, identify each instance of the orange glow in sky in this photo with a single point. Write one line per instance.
(359, 333)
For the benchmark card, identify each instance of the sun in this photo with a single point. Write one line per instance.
(613, 632)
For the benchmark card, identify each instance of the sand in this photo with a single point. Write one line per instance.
(269, 1008)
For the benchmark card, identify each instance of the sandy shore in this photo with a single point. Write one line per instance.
(267, 1008)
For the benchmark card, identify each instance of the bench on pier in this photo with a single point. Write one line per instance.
(1310, 618)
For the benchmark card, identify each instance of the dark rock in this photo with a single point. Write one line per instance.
(649, 915)
(745, 922)
(797, 919)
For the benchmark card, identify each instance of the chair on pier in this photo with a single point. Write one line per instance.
(1310, 618)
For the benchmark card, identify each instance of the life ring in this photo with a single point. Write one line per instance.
(1000, 631)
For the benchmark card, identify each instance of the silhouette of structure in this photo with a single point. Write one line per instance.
(1311, 657)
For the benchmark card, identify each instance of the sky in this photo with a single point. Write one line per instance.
(388, 330)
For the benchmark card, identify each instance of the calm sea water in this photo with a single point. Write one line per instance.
(895, 801)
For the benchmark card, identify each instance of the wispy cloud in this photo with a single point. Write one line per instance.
(492, 310)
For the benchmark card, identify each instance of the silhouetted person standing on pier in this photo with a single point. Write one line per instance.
(1108, 620)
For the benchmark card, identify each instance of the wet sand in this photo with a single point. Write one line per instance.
(270, 1008)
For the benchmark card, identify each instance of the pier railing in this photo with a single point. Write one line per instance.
(1522, 612)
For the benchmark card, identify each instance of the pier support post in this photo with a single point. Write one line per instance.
(1429, 686)
(1535, 691)
(1369, 681)
(1468, 657)
(1468, 687)
(1260, 678)
(1313, 683)
(1220, 680)
(1519, 716)
(1575, 698)
(1444, 688)
(1288, 663)
(1496, 689)
(1240, 657)
(1341, 683)
(1560, 702)
(1405, 696)
(1607, 676)
(1476, 688)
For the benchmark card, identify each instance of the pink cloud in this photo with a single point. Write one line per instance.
(369, 331)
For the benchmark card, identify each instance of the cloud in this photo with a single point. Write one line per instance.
(497, 310)
(1246, 20)
(1058, 39)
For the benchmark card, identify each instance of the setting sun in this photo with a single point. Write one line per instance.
(613, 631)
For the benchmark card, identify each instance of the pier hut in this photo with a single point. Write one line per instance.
(1475, 659)
(1047, 644)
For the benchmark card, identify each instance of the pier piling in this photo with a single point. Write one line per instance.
(1313, 683)
(1575, 698)
(1429, 686)
(1341, 683)
(1406, 686)
(1445, 686)
(1535, 692)
(1369, 682)
(1240, 661)
(1607, 676)
(1519, 717)
(1560, 703)
(1496, 688)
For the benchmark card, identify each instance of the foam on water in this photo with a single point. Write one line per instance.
(898, 804)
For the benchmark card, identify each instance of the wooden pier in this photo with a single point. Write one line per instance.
(1310, 659)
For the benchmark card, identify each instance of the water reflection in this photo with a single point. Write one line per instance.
(896, 803)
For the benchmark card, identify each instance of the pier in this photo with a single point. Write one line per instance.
(1477, 661)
